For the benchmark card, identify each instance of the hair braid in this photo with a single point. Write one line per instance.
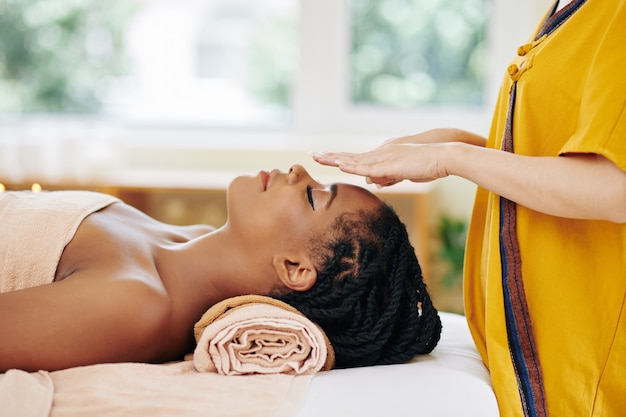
(370, 297)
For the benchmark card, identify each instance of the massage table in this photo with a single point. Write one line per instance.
(451, 381)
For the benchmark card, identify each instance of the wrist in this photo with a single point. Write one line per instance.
(454, 156)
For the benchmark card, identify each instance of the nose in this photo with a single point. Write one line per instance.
(298, 169)
(297, 173)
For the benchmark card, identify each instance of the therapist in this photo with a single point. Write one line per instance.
(545, 265)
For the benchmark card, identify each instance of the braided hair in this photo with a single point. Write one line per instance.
(369, 297)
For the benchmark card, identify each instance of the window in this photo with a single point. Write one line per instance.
(407, 53)
(216, 63)
(360, 67)
(220, 62)
(59, 55)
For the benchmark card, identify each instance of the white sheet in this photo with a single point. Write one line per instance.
(451, 381)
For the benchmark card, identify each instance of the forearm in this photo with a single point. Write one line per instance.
(577, 186)
(441, 135)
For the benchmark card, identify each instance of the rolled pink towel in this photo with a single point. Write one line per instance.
(259, 335)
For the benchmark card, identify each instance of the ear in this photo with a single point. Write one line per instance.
(297, 274)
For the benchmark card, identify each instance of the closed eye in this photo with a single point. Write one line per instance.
(309, 196)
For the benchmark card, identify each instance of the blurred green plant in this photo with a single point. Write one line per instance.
(452, 233)
(60, 55)
(407, 53)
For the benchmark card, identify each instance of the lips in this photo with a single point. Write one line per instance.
(267, 178)
(264, 176)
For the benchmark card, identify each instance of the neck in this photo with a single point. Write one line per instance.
(206, 270)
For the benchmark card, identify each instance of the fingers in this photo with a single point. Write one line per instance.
(347, 162)
(352, 163)
(330, 158)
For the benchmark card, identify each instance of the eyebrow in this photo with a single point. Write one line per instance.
(333, 194)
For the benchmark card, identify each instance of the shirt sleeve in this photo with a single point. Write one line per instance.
(601, 126)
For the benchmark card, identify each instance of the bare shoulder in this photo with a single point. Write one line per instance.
(122, 235)
(85, 321)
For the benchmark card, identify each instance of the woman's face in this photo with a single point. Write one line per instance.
(289, 208)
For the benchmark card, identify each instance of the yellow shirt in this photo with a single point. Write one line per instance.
(571, 98)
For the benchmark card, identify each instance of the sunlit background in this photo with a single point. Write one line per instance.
(161, 99)
(230, 62)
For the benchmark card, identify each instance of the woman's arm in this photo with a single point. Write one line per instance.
(393, 161)
(579, 186)
(80, 321)
(575, 186)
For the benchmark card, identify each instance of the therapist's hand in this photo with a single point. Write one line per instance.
(390, 163)
(417, 158)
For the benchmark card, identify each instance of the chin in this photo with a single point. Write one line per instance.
(240, 194)
(244, 185)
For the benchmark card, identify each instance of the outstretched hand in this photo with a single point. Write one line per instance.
(390, 163)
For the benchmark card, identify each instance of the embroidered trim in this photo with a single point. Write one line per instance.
(518, 324)
(521, 339)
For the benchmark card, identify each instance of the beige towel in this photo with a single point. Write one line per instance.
(259, 335)
(173, 390)
(24, 394)
(34, 230)
(139, 390)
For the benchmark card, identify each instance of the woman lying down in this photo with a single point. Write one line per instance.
(123, 287)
